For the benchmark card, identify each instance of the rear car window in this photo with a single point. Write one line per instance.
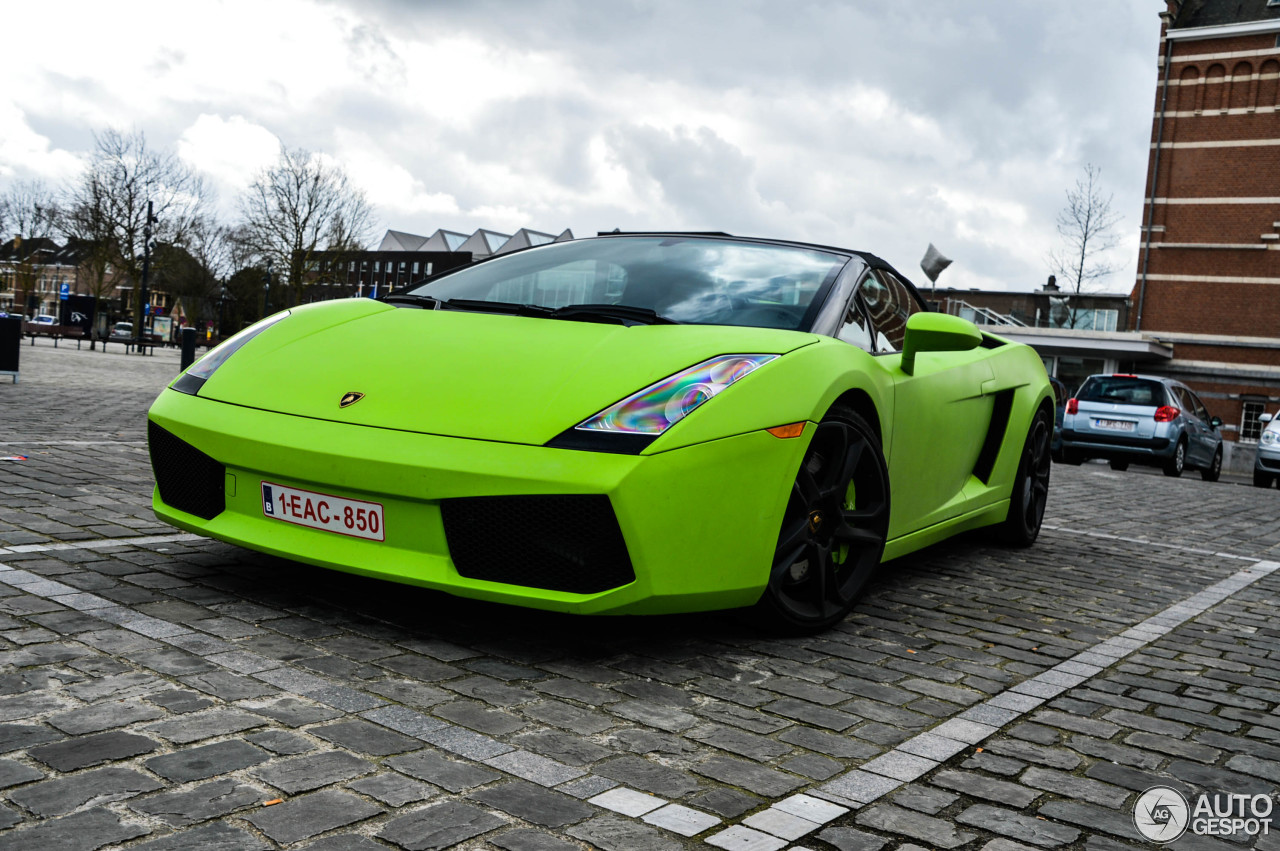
(1122, 390)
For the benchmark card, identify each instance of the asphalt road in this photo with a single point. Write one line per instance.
(161, 691)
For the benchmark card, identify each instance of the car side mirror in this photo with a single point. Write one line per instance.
(937, 332)
(1264, 418)
(1216, 422)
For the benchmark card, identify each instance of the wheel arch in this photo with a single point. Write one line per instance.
(862, 404)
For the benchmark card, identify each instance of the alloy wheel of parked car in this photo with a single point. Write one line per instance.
(834, 529)
(1214, 470)
(1030, 486)
(1174, 466)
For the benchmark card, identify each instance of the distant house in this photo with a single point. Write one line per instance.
(403, 258)
(1077, 335)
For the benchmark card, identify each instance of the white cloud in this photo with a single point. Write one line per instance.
(880, 126)
(25, 153)
(230, 151)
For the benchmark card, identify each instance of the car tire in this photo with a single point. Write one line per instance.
(1214, 470)
(1261, 480)
(1120, 465)
(1175, 465)
(1030, 487)
(1075, 459)
(833, 530)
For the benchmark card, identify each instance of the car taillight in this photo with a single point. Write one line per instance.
(1166, 414)
(1073, 406)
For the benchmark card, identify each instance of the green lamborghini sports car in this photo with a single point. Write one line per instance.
(632, 423)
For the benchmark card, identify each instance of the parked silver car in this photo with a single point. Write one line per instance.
(1266, 464)
(1142, 419)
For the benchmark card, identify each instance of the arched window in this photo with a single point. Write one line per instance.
(1241, 96)
(1215, 89)
(1268, 84)
(1184, 96)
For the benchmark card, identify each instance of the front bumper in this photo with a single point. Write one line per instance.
(700, 523)
(1267, 459)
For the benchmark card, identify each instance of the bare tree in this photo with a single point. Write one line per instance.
(91, 239)
(194, 272)
(30, 209)
(296, 208)
(123, 176)
(1087, 227)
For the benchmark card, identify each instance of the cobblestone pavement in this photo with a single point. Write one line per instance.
(162, 691)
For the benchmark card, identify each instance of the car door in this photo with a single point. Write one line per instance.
(1192, 426)
(945, 396)
(1209, 437)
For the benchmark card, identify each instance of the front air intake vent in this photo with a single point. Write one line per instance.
(189, 480)
(557, 542)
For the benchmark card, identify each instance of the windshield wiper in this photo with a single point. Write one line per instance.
(510, 308)
(424, 301)
(623, 314)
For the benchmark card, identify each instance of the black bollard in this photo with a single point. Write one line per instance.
(10, 345)
(188, 347)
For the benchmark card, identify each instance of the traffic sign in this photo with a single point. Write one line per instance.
(64, 292)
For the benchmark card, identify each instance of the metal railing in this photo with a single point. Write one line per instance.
(981, 315)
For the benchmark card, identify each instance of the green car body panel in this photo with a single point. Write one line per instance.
(463, 403)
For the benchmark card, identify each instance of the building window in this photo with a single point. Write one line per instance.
(1250, 428)
(402, 267)
(351, 266)
(415, 267)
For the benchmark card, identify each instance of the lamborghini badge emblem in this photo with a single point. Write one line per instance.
(349, 399)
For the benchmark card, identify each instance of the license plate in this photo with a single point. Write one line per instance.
(353, 517)
(1114, 425)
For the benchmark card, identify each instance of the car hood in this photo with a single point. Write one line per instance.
(490, 377)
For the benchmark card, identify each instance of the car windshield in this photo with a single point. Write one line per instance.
(683, 279)
(1122, 390)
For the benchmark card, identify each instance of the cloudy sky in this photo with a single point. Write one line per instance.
(874, 124)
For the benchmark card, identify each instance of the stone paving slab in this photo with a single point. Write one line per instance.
(158, 690)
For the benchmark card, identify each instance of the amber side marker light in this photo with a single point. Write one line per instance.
(790, 430)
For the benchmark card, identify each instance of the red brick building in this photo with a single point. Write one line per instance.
(1209, 268)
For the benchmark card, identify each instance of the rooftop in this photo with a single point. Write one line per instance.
(1214, 13)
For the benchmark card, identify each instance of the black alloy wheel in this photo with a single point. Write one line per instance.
(834, 528)
(1175, 465)
(1214, 470)
(1030, 492)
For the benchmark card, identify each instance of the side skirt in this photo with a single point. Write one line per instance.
(986, 516)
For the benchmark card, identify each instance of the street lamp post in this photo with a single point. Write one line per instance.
(266, 297)
(144, 296)
(222, 303)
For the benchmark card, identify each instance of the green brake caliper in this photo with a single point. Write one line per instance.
(840, 552)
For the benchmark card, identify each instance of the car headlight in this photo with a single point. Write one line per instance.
(659, 406)
(1268, 437)
(198, 373)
